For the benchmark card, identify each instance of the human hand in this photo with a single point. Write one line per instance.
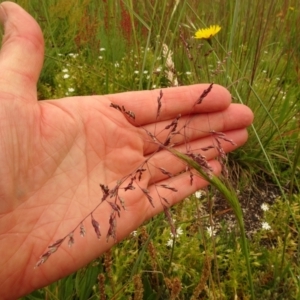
(55, 153)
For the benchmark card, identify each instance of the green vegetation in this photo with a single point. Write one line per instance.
(100, 47)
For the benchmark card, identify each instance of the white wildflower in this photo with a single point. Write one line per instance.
(179, 232)
(74, 55)
(100, 57)
(170, 243)
(117, 65)
(71, 90)
(66, 76)
(198, 194)
(265, 226)
(102, 49)
(264, 207)
(65, 70)
(211, 232)
(188, 73)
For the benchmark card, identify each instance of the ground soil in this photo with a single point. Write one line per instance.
(251, 198)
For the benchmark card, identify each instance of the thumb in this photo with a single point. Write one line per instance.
(22, 53)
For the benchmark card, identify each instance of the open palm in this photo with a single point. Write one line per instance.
(55, 153)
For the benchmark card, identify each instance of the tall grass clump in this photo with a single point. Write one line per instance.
(99, 47)
(256, 66)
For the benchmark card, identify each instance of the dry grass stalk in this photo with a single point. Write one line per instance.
(107, 263)
(170, 66)
(203, 279)
(176, 288)
(101, 280)
(138, 287)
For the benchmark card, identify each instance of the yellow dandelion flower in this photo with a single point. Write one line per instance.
(207, 33)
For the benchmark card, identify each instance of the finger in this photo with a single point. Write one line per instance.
(173, 165)
(176, 100)
(184, 188)
(22, 52)
(190, 128)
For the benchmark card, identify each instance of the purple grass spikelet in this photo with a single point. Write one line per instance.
(96, 227)
(204, 94)
(82, 230)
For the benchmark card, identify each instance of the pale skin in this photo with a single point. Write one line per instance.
(54, 154)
